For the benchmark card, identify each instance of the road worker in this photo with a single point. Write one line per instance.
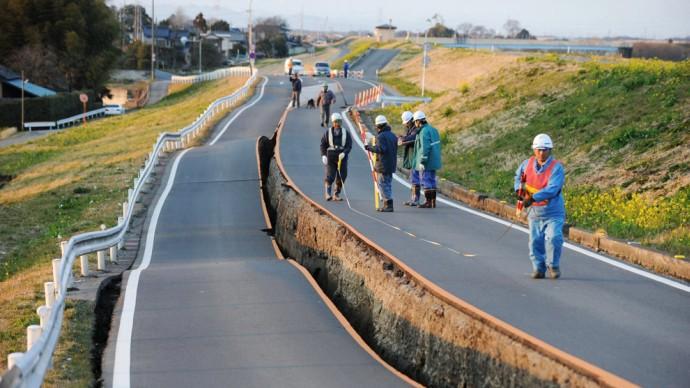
(387, 148)
(346, 68)
(296, 90)
(336, 144)
(325, 99)
(427, 157)
(289, 65)
(407, 141)
(541, 178)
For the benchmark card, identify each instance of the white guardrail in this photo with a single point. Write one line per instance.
(220, 73)
(27, 370)
(68, 122)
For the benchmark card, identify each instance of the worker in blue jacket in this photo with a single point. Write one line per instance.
(387, 148)
(540, 179)
(427, 157)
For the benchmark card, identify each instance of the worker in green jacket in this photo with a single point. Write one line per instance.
(427, 157)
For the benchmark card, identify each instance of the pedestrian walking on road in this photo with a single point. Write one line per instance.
(407, 141)
(427, 157)
(289, 65)
(325, 99)
(543, 177)
(346, 68)
(335, 148)
(296, 90)
(387, 148)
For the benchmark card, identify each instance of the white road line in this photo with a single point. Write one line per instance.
(123, 346)
(596, 256)
(227, 125)
(124, 335)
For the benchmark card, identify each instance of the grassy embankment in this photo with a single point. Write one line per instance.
(621, 127)
(68, 183)
(357, 48)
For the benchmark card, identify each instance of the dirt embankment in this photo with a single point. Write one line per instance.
(435, 338)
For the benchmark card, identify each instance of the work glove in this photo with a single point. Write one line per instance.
(527, 202)
(324, 159)
(341, 156)
(421, 167)
(400, 141)
(369, 137)
(368, 148)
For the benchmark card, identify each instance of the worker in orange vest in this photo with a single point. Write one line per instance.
(540, 179)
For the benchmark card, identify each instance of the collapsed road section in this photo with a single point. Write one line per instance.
(423, 331)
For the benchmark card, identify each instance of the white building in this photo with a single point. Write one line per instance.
(385, 32)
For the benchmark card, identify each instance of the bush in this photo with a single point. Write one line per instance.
(50, 108)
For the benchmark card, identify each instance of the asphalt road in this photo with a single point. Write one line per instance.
(628, 324)
(215, 307)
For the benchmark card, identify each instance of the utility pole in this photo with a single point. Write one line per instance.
(22, 127)
(200, 52)
(153, 41)
(250, 42)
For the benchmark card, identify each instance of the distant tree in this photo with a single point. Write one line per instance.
(80, 33)
(200, 22)
(271, 36)
(179, 19)
(482, 32)
(523, 34)
(220, 25)
(464, 29)
(40, 65)
(441, 31)
(512, 28)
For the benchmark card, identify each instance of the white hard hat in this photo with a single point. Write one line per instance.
(406, 117)
(325, 85)
(541, 141)
(336, 117)
(419, 115)
(380, 119)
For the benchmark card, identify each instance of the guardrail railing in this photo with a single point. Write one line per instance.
(68, 122)
(220, 73)
(28, 369)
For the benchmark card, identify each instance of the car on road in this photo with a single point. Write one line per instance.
(114, 109)
(322, 69)
(297, 66)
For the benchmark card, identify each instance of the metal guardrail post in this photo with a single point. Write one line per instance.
(33, 333)
(84, 264)
(56, 275)
(113, 254)
(43, 313)
(49, 291)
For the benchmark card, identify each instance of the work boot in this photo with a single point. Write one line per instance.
(537, 275)
(328, 192)
(554, 272)
(433, 198)
(338, 189)
(388, 208)
(428, 204)
(415, 191)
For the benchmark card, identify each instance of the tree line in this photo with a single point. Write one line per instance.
(62, 44)
(512, 29)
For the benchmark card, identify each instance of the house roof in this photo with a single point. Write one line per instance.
(386, 27)
(7, 74)
(234, 36)
(38, 91)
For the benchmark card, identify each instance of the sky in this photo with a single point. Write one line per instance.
(658, 19)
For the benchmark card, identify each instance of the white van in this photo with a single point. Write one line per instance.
(297, 66)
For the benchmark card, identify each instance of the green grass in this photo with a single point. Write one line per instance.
(613, 116)
(72, 358)
(619, 126)
(69, 183)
